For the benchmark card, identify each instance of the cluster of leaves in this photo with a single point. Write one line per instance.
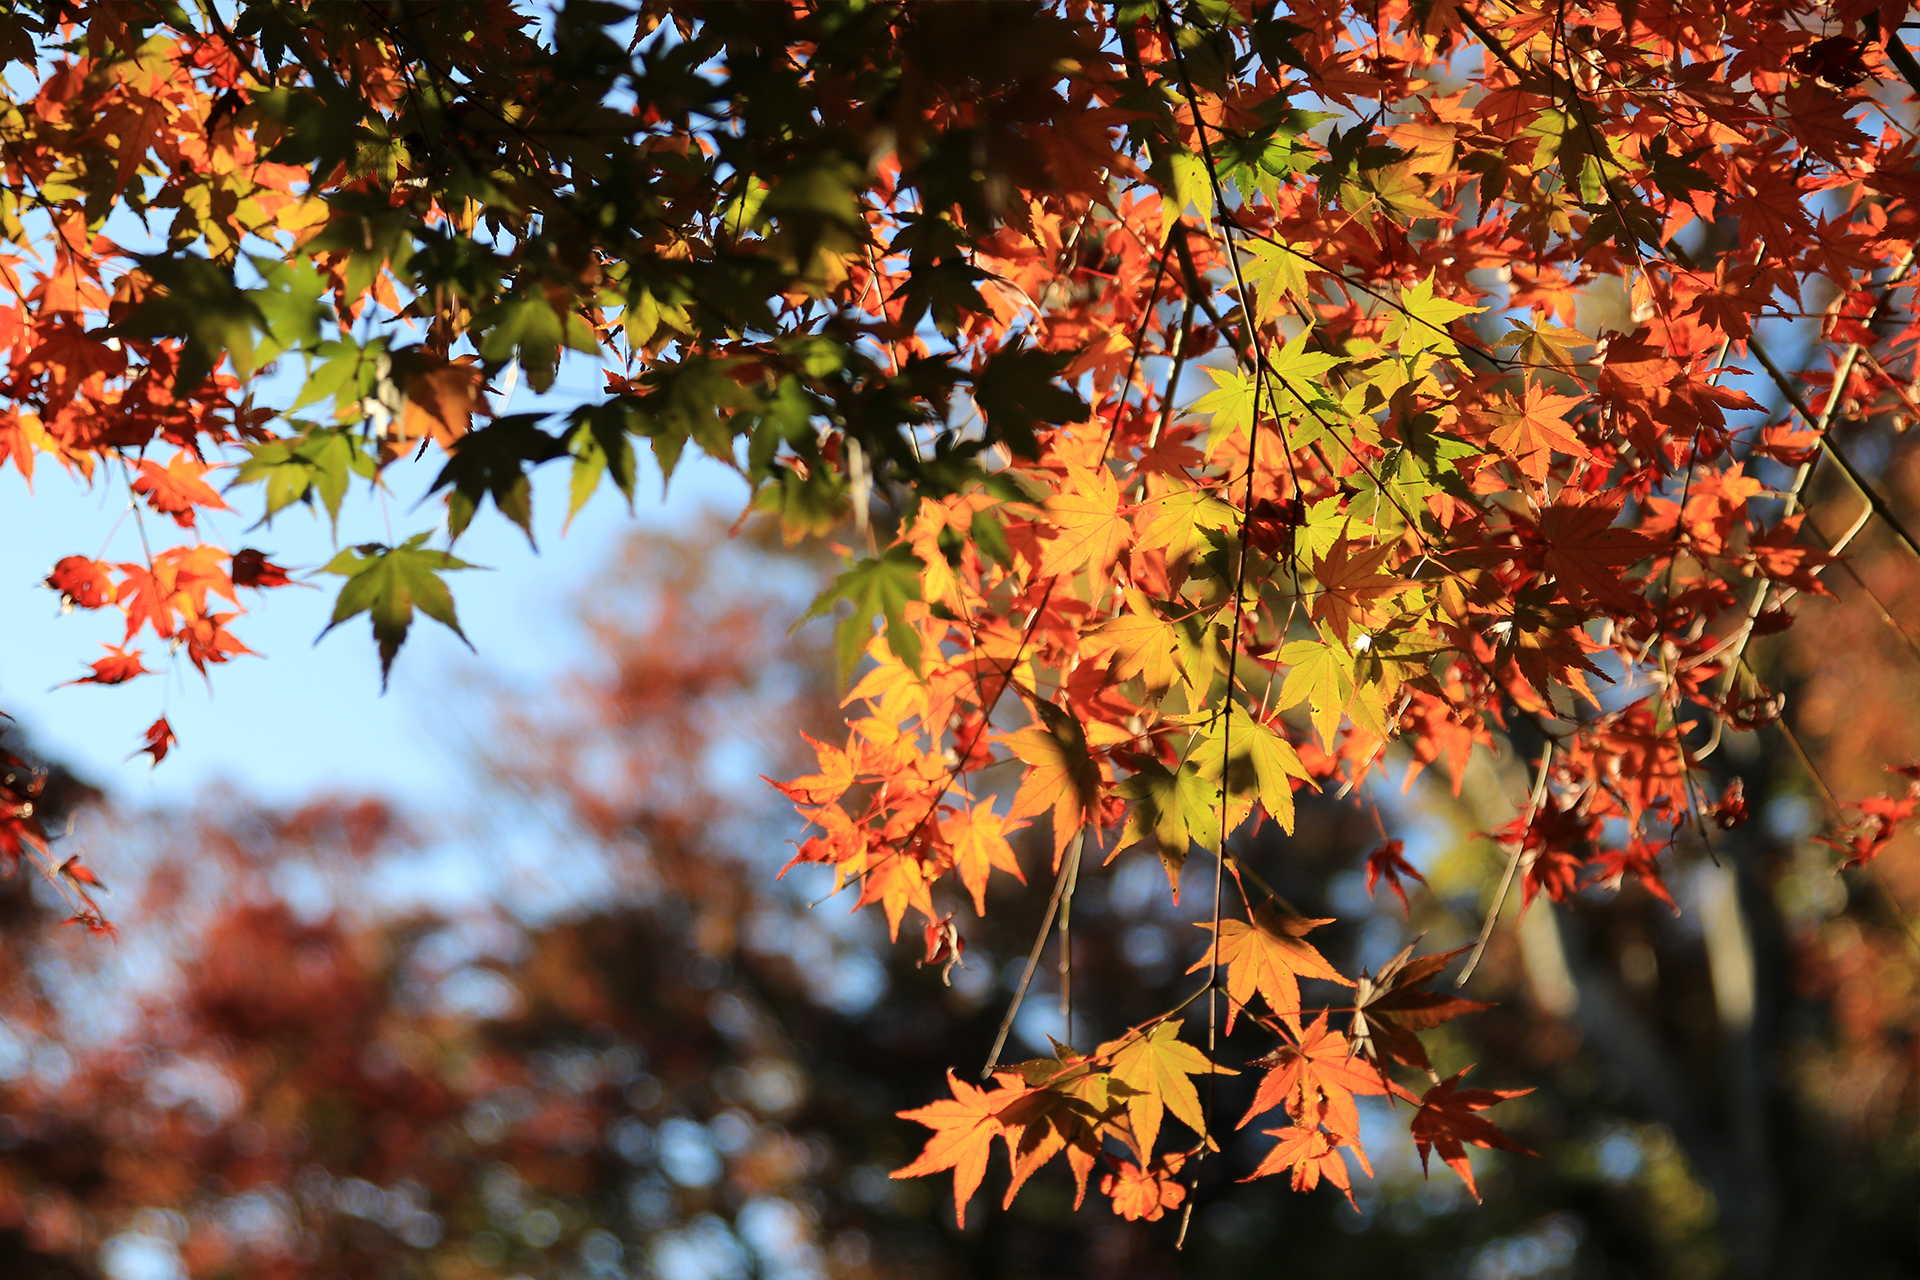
(939, 270)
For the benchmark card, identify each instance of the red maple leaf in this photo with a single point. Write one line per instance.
(117, 667)
(82, 583)
(251, 568)
(1387, 861)
(1446, 1120)
(159, 738)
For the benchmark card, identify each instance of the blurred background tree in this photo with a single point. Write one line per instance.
(300, 1060)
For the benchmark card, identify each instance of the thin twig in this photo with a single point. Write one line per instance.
(1067, 869)
(1066, 943)
(1513, 864)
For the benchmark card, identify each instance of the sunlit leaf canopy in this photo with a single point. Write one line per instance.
(1523, 330)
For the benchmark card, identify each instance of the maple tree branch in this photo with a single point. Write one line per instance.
(1839, 815)
(1066, 944)
(1821, 428)
(1513, 864)
(1902, 58)
(1067, 869)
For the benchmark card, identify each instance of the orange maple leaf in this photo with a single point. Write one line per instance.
(978, 839)
(964, 1129)
(176, 489)
(82, 582)
(1349, 582)
(1310, 1154)
(1062, 775)
(159, 738)
(1145, 1195)
(898, 879)
(1389, 861)
(1584, 552)
(824, 787)
(1317, 1081)
(1530, 430)
(1091, 531)
(441, 403)
(117, 667)
(1268, 956)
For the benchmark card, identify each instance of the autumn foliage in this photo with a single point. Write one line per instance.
(1498, 439)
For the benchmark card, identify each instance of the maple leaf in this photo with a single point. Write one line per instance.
(1061, 775)
(964, 1129)
(835, 776)
(1349, 584)
(1531, 429)
(117, 667)
(82, 582)
(1447, 1119)
(159, 738)
(1316, 1081)
(1390, 1008)
(978, 840)
(1091, 531)
(1016, 389)
(388, 583)
(441, 399)
(897, 879)
(1263, 763)
(1545, 346)
(1295, 369)
(1177, 808)
(1421, 323)
(1321, 675)
(493, 461)
(1268, 956)
(1310, 1155)
(1387, 861)
(1063, 1112)
(81, 874)
(1181, 521)
(1278, 273)
(1145, 1195)
(252, 568)
(319, 463)
(1155, 1067)
(878, 586)
(1142, 644)
(176, 489)
(1231, 403)
(1584, 552)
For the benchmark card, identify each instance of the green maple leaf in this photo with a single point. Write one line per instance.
(494, 460)
(1255, 761)
(1421, 322)
(1278, 273)
(1181, 520)
(1187, 185)
(879, 586)
(1176, 808)
(198, 301)
(600, 446)
(1231, 403)
(321, 461)
(1320, 674)
(388, 583)
(1016, 389)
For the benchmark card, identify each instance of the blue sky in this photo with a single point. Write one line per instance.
(302, 716)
